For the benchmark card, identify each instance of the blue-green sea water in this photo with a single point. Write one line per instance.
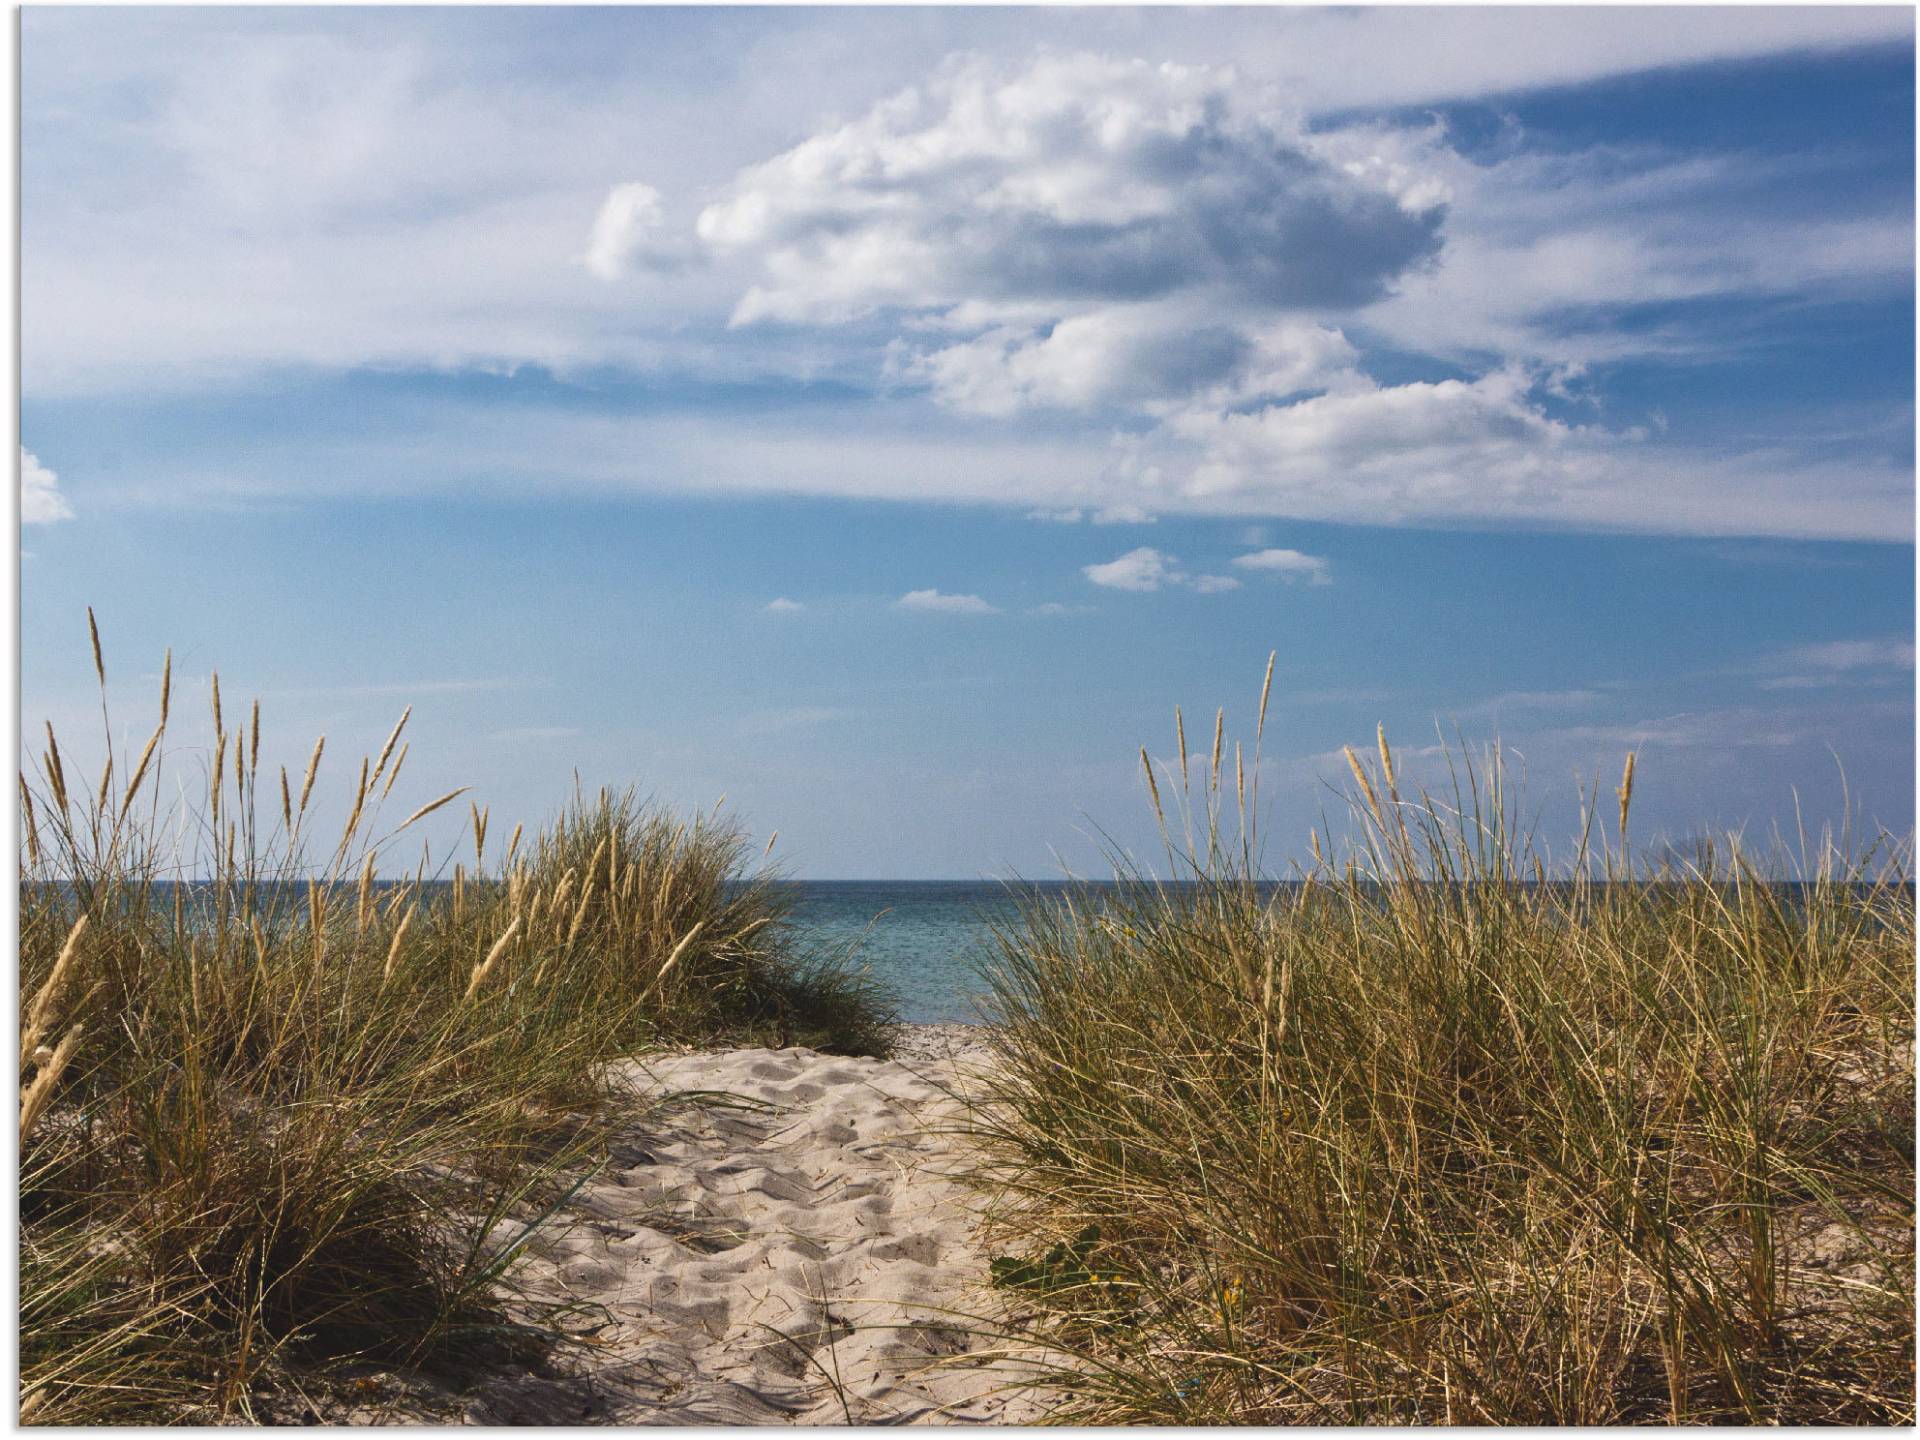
(923, 938)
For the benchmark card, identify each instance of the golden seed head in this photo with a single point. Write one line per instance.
(434, 805)
(93, 633)
(1366, 785)
(1626, 792)
(313, 769)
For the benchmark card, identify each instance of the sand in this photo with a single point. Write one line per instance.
(795, 1262)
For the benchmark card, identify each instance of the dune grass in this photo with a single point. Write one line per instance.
(1426, 1137)
(285, 1121)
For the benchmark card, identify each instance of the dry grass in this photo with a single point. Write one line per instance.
(1422, 1138)
(285, 1119)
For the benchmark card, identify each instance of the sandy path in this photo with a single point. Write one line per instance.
(787, 1263)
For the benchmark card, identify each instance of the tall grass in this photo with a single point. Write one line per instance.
(1438, 1133)
(284, 1117)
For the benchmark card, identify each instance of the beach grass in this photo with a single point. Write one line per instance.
(1441, 1132)
(287, 1121)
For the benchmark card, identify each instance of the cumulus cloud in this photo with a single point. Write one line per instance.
(1148, 357)
(934, 602)
(41, 502)
(1164, 245)
(784, 606)
(1142, 569)
(1147, 569)
(624, 230)
(1079, 177)
(1289, 565)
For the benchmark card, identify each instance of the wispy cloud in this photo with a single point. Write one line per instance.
(933, 602)
(1835, 662)
(1104, 515)
(1534, 702)
(783, 606)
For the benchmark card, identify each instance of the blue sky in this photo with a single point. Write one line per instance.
(886, 418)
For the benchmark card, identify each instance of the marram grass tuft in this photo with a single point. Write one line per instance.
(277, 1118)
(1436, 1133)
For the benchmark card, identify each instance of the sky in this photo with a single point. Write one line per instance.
(883, 419)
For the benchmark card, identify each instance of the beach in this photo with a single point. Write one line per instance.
(789, 1244)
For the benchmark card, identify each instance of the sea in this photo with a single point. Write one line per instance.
(926, 939)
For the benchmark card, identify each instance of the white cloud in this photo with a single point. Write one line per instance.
(1422, 450)
(1077, 177)
(1058, 238)
(1537, 236)
(257, 193)
(627, 223)
(934, 602)
(871, 452)
(41, 502)
(1148, 569)
(784, 606)
(1142, 569)
(1146, 356)
(1067, 240)
(1289, 565)
(1071, 516)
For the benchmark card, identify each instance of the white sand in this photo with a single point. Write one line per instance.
(797, 1263)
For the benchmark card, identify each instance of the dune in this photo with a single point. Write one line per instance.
(785, 1243)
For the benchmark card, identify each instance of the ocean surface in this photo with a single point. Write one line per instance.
(924, 938)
